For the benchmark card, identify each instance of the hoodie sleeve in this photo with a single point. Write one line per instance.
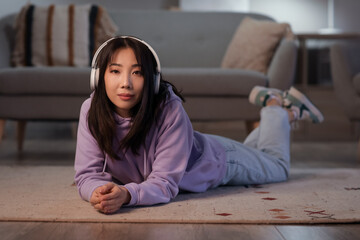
(89, 159)
(173, 147)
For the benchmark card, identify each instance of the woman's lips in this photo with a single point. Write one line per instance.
(125, 96)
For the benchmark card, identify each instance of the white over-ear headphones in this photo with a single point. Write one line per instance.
(95, 71)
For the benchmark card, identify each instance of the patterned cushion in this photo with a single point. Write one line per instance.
(254, 44)
(60, 35)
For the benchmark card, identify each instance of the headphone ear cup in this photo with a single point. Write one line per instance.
(94, 78)
(157, 83)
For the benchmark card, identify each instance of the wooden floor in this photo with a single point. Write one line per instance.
(333, 146)
(53, 231)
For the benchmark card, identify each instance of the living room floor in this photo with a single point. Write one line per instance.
(53, 144)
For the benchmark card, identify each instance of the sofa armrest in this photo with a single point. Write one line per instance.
(345, 64)
(282, 67)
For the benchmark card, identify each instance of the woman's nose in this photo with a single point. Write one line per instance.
(125, 81)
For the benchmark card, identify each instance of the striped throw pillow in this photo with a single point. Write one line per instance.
(60, 35)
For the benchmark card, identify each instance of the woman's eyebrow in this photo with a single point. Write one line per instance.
(120, 65)
(115, 64)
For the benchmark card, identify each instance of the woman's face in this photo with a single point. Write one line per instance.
(124, 81)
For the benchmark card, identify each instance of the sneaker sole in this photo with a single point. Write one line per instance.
(255, 91)
(300, 96)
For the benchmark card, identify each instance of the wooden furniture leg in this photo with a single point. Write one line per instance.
(358, 151)
(2, 129)
(74, 127)
(356, 129)
(20, 134)
(251, 125)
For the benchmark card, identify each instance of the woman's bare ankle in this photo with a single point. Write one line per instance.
(273, 102)
(292, 114)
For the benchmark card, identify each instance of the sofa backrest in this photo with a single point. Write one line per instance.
(183, 39)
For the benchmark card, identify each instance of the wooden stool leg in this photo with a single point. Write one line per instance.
(2, 129)
(21, 126)
(251, 125)
(358, 151)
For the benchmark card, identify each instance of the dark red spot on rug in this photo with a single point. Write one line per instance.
(269, 198)
(224, 214)
(276, 210)
(282, 217)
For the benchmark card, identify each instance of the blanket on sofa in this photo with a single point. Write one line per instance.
(60, 35)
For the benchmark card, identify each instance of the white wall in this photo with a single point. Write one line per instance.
(15, 5)
(347, 15)
(311, 15)
(214, 5)
(303, 15)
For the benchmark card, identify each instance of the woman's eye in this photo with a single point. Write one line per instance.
(137, 72)
(114, 71)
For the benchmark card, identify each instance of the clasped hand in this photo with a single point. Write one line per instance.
(109, 198)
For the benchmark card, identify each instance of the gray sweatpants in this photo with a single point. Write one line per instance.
(264, 157)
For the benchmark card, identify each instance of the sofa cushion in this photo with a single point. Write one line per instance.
(75, 81)
(60, 35)
(356, 82)
(45, 81)
(254, 44)
(214, 81)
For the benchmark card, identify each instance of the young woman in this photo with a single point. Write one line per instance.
(136, 144)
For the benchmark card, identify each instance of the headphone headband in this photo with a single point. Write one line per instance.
(94, 76)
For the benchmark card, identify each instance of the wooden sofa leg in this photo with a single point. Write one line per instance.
(21, 126)
(2, 129)
(74, 128)
(251, 125)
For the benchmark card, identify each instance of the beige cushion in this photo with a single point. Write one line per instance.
(254, 43)
(60, 35)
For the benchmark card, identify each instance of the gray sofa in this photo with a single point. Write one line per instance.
(190, 46)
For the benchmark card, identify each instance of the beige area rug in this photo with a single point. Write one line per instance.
(45, 193)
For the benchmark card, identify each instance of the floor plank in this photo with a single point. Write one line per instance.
(328, 232)
(54, 231)
(15, 230)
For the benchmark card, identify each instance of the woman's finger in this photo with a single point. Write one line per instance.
(107, 208)
(106, 188)
(114, 193)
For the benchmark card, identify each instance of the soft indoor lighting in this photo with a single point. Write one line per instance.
(330, 20)
(215, 5)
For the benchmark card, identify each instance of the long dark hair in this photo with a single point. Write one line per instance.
(101, 119)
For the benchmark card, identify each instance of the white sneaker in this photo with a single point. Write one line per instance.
(303, 108)
(260, 95)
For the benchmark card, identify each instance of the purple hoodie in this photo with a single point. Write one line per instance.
(174, 157)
